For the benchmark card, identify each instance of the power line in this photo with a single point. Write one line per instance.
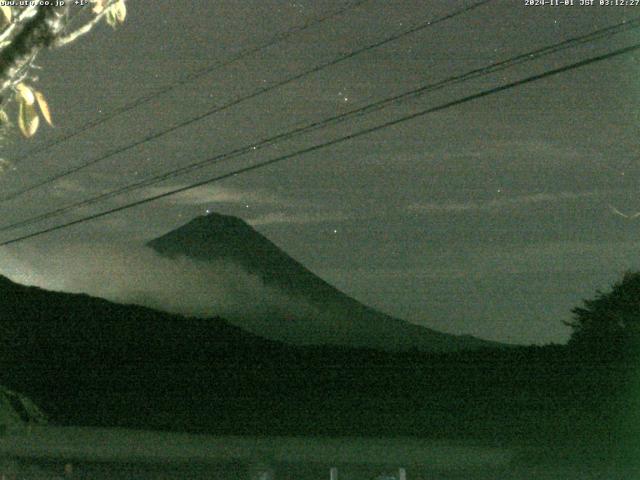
(280, 37)
(475, 73)
(336, 141)
(239, 100)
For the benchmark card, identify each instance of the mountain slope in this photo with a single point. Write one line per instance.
(88, 361)
(337, 319)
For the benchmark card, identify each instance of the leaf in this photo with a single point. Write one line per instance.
(98, 6)
(120, 10)
(25, 94)
(4, 118)
(44, 107)
(110, 18)
(6, 13)
(28, 119)
(116, 13)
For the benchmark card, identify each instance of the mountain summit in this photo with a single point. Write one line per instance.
(335, 318)
(224, 238)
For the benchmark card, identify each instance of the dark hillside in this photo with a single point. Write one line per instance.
(87, 361)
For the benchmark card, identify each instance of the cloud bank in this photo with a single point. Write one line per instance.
(500, 203)
(132, 274)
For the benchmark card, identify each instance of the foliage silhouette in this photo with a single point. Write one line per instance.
(609, 324)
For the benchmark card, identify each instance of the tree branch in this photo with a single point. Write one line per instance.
(39, 32)
(83, 30)
(7, 35)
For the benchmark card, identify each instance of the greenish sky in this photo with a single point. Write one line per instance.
(493, 218)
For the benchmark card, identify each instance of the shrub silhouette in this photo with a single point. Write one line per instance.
(609, 324)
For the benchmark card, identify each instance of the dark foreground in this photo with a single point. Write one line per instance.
(47, 453)
(92, 363)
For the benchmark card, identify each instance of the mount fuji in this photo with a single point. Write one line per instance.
(333, 318)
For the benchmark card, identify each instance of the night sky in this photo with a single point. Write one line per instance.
(493, 218)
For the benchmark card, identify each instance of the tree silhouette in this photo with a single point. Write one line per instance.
(609, 324)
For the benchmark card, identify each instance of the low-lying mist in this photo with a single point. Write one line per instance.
(128, 273)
